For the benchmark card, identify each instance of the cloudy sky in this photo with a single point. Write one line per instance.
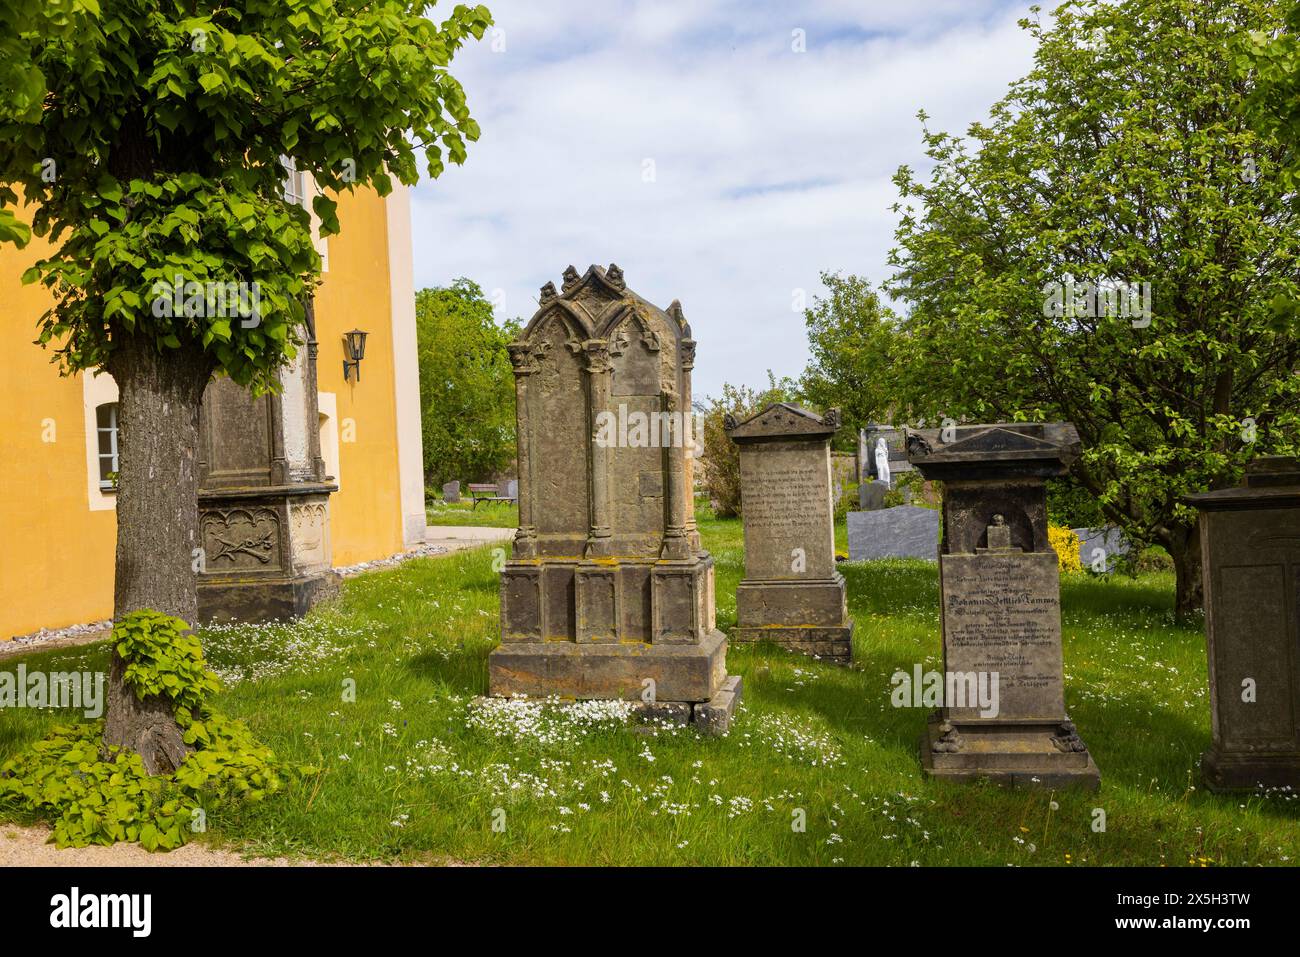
(691, 142)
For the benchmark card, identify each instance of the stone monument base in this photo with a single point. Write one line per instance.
(1246, 772)
(266, 550)
(570, 669)
(264, 599)
(691, 683)
(823, 641)
(807, 616)
(1015, 755)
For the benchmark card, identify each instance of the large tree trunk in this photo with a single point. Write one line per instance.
(160, 397)
(1184, 546)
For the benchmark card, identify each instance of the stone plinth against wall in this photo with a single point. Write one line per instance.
(791, 594)
(608, 592)
(1250, 552)
(264, 498)
(1001, 605)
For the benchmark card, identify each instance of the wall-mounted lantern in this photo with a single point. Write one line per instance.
(354, 345)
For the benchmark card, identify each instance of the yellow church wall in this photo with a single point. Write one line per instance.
(354, 294)
(57, 566)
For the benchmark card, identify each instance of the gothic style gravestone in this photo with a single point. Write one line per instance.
(1250, 547)
(791, 593)
(264, 498)
(608, 592)
(1001, 604)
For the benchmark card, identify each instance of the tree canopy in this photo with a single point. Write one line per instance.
(1114, 247)
(850, 336)
(149, 141)
(467, 384)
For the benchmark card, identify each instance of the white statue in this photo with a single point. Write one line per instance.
(882, 461)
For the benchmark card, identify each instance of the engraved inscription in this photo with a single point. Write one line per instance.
(786, 506)
(1002, 613)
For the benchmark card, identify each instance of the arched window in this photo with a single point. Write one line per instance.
(106, 427)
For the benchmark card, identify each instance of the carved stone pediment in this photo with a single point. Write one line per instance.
(782, 419)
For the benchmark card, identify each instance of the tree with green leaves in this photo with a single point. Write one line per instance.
(149, 143)
(850, 336)
(1272, 58)
(721, 459)
(1110, 248)
(467, 384)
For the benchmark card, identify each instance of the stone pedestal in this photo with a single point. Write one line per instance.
(267, 553)
(1250, 548)
(608, 593)
(264, 522)
(1000, 594)
(791, 594)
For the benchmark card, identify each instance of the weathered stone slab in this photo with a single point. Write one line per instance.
(1002, 615)
(1250, 546)
(1101, 548)
(813, 603)
(569, 670)
(664, 712)
(713, 717)
(786, 506)
(451, 492)
(871, 495)
(904, 531)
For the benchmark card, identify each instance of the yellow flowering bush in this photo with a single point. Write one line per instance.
(1066, 545)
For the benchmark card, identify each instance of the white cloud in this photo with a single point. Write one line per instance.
(770, 165)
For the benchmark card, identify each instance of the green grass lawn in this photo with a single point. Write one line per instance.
(416, 770)
(493, 514)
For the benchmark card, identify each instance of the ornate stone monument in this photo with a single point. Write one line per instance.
(791, 593)
(1001, 606)
(608, 593)
(1250, 548)
(264, 498)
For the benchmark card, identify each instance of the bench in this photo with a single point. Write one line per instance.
(479, 492)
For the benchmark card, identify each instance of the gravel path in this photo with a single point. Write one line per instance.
(28, 847)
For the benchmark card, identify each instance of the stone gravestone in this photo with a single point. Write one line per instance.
(791, 594)
(1250, 547)
(1001, 606)
(509, 490)
(1111, 543)
(895, 452)
(871, 495)
(263, 502)
(608, 592)
(904, 531)
(451, 492)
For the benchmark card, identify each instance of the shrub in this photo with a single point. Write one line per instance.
(1066, 544)
(721, 464)
(99, 795)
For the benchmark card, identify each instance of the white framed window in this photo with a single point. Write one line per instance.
(106, 434)
(295, 182)
(102, 419)
(298, 189)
